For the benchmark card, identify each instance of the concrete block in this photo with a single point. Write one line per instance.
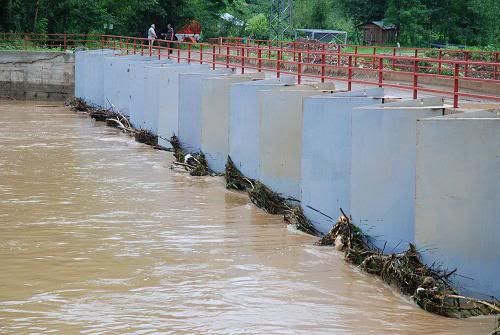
(326, 153)
(457, 214)
(281, 113)
(244, 123)
(215, 106)
(89, 75)
(383, 169)
(141, 98)
(116, 81)
(190, 85)
(165, 108)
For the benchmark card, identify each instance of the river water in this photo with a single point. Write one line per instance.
(99, 236)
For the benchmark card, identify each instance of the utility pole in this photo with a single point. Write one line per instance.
(280, 19)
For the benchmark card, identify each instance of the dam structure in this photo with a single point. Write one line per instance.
(405, 170)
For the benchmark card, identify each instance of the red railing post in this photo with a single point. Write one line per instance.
(142, 47)
(259, 60)
(269, 49)
(495, 73)
(201, 53)
(338, 54)
(380, 71)
(349, 75)
(456, 86)
(135, 45)
(299, 69)
(127, 43)
(440, 64)
(355, 56)
(393, 59)
(178, 53)
(189, 53)
(102, 41)
(323, 61)
(278, 65)
(159, 50)
(64, 42)
(415, 78)
(114, 44)
(466, 66)
(373, 58)
(213, 57)
(227, 57)
(242, 60)
(294, 51)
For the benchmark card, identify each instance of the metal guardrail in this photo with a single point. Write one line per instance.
(322, 65)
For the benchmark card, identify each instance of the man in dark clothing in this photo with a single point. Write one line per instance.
(170, 36)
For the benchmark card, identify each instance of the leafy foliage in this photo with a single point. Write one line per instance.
(464, 22)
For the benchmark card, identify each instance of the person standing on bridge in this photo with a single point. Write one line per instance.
(170, 36)
(151, 38)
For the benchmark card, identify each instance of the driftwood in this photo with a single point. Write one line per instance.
(428, 286)
(114, 119)
(195, 163)
(266, 199)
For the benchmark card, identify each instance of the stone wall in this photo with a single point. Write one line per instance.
(37, 75)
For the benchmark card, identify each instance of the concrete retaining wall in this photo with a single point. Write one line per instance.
(383, 169)
(244, 123)
(326, 154)
(37, 75)
(457, 215)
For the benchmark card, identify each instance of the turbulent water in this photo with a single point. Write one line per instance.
(99, 236)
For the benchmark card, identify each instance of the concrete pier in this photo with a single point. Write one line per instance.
(383, 169)
(327, 155)
(190, 86)
(215, 107)
(280, 132)
(244, 123)
(457, 214)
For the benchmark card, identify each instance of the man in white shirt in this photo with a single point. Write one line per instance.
(151, 37)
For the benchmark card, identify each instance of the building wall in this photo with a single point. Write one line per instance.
(37, 75)
(457, 214)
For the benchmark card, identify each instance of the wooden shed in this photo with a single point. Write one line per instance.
(378, 32)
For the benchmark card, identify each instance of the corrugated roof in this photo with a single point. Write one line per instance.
(382, 25)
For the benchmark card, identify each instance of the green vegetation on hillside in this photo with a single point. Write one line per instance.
(420, 22)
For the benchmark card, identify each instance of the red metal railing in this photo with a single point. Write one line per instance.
(452, 54)
(441, 76)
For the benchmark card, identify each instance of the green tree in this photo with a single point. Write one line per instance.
(258, 27)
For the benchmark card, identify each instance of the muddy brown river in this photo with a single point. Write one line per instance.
(99, 236)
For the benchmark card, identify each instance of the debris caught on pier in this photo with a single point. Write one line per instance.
(266, 199)
(146, 137)
(295, 216)
(196, 163)
(428, 286)
(235, 180)
(114, 119)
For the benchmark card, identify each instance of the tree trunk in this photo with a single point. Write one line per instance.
(36, 15)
